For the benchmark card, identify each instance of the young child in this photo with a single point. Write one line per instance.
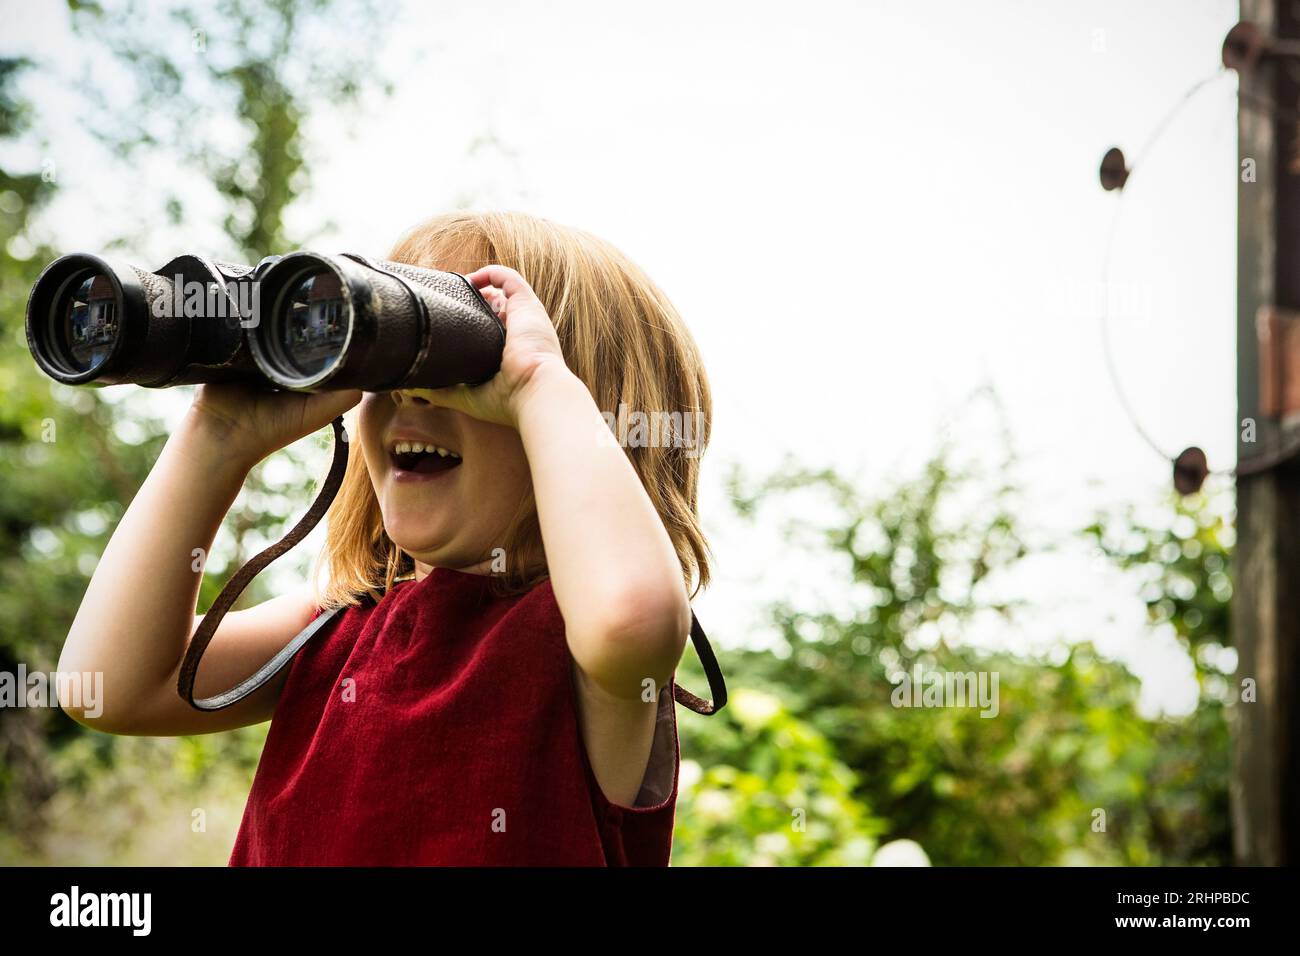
(499, 688)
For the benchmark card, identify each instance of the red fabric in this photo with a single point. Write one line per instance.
(457, 743)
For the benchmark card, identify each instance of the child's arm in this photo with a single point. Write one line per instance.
(615, 573)
(138, 613)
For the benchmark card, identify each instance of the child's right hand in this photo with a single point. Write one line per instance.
(138, 615)
(252, 422)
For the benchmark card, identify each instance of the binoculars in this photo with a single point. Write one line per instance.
(301, 321)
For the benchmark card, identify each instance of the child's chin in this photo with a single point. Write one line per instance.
(427, 547)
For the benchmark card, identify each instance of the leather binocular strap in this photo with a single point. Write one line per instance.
(717, 686)
(235, 586)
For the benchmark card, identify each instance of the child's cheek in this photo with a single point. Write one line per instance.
(372, 416)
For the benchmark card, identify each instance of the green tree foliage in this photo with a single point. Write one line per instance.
(222, 92)
(66, 472)
(265, 64)
(772, 793)
(1183, 568)
(1068, 751)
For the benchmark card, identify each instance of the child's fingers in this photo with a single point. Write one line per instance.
(504, 278)
(453, 396)
(321, 408)
(330, 405)
(520, 311)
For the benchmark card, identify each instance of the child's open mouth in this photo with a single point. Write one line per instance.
(422, 459)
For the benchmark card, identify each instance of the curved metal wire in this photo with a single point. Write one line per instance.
(1251, 466)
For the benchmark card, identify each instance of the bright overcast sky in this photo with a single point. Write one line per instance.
(865, 211)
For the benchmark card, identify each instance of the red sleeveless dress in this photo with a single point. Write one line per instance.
(439, 726)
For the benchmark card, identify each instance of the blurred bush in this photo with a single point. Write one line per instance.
(1067, 772)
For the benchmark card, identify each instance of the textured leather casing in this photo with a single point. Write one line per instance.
(462, 338)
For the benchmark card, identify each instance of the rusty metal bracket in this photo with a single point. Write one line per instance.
(1278, 333)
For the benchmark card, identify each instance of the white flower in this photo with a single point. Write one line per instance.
(900, 853)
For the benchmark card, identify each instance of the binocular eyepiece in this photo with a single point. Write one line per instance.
(302, 321)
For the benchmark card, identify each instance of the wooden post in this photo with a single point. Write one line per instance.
(1266, 567)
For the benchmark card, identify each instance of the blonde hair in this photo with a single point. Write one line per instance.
(620, 335)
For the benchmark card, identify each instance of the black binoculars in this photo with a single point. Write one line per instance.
(329, 322)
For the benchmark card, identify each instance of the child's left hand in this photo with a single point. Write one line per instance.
(531, 347)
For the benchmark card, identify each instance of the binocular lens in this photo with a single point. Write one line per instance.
(312, 323)
(84, 321)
